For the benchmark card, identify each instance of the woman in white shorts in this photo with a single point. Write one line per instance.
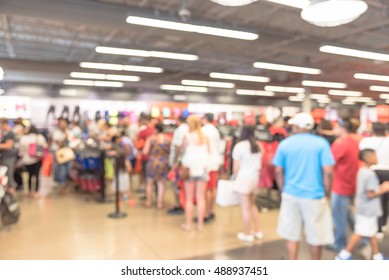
(247, 163)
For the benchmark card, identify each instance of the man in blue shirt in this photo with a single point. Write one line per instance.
(304, 168)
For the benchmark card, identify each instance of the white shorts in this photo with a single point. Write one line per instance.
(312, 215)
(366, 226)
(245, 186)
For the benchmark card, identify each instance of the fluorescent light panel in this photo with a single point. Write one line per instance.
(119, 67)
(295, 99)
(254, 92)
(183, 88)
(285, 89)
(354, 53)
(143, 53)
(207, 84)
(344, 93)
(346, 102)
(90, 83)
(372, 77)
(188, 27)
(287, 68)
(379, 88)
(384, 96)
(247, 78)
(97, 76)
(300, 4)
(309, 83)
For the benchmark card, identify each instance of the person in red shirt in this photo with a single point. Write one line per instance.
(346, 153)
(146, 130)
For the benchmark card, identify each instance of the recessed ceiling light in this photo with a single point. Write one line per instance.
(287, 68)
(193, 28)
(345, 93)
(355, 53)
(143, 53)
(207, 84)
(285, 89)
(359, 99)
(119, 67)
(97, 76)
(183, 88)
(372, 77)
(309, 83)
(238, 77)
(254, 92)
(379, 88)
(90, 83)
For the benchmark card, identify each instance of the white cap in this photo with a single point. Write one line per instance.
(302, 120)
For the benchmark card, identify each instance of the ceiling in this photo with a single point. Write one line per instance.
(42, 41)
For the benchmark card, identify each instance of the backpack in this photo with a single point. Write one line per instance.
(9, 208)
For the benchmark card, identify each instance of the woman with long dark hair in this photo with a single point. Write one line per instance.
(247, 163)
(32, 163)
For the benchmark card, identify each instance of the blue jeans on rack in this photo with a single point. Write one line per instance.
(342, 217)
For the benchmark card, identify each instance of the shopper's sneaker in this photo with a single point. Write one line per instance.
(176, 211)
(380, 235)
(259, 235)
(380, 257)
(245, 238)
(211, 217)
(339, 258)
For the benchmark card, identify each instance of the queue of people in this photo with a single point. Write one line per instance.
(322, 173)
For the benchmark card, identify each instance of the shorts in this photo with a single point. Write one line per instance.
(245, 186)
(366, 226)
(312, 215)
(212, 181)
(204, 178)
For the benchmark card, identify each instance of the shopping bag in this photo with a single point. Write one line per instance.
(36, 151)
(47, 165)
(226, 196)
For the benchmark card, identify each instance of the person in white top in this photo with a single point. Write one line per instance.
(195, 159)
(247, 164)
(32, 163)
(379, 142)
(215, 161)
(175, 158)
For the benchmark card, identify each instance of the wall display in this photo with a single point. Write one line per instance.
(15, 107)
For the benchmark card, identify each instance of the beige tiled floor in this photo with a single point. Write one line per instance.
(71, 228)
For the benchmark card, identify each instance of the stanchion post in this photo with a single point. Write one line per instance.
(117, 214)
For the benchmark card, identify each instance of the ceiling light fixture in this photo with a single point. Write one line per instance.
(207, 84)
(142, 53)
(233, 3)
(285, 89)
(318, 96)
(90, 83)
(372, 77)
(345, 93)
(254, 92)
(329, 13)
(296, 99)
(379, 88)
(183, 88)
(300, 4)
(97, 76)
(346, 102)
(68, 92)
(247, 78)
(384, 96)
(193, 28)
(354, 53)
(308, 83)
(119, 67)
(287, 68)
(359, 99)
